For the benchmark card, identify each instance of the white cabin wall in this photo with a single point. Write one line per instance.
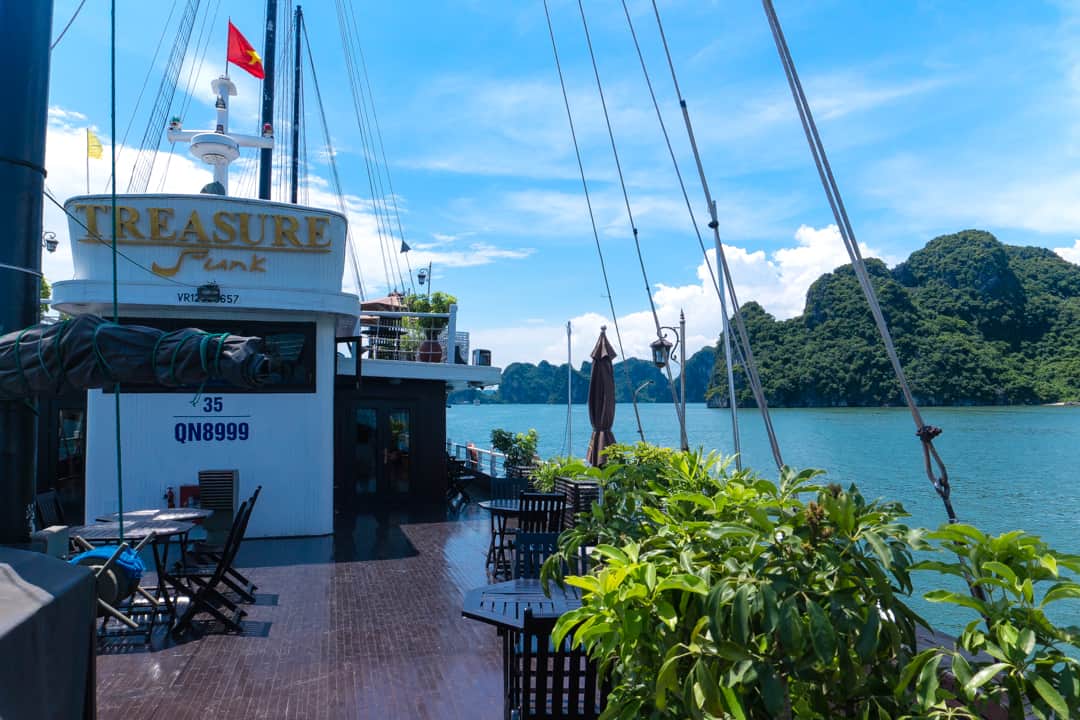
(290, 451)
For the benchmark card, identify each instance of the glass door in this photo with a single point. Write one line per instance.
(377, 455)
(397, 454)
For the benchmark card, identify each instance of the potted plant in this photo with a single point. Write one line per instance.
(575, 479)
(519, 449)
(425, 330)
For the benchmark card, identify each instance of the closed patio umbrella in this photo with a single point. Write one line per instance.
(601, 399)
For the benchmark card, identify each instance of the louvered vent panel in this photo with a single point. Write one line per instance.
(218, 489)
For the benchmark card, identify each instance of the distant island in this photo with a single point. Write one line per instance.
(975, 322)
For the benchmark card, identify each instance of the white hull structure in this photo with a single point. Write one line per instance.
(321, 439)
(278, 268)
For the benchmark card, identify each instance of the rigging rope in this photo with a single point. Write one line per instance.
(69, 22)
(382, 147)
(376, 139)
(701, 242)
(630, 215)
(155, 128)
(343, 31)
(333, 166)
(115, 287)
(924, 432)
(149, 71)
(592, 222)
(743, 346)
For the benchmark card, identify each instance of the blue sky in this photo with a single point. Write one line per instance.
(937, 117)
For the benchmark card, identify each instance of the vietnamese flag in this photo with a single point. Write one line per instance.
(243, 54)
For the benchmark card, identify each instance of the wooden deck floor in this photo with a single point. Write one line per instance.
(364, 624)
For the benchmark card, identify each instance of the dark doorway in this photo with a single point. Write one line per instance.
(389, 445)
(375, 460)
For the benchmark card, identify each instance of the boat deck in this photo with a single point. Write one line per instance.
(363, 624)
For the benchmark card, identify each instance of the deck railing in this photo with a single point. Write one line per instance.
(490, 462)
(414, 336)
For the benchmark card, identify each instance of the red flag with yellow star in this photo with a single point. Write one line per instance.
(243, 54)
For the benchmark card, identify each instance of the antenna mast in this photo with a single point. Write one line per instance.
(266, 155)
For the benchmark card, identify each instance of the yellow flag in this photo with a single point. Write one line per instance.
(93, 145)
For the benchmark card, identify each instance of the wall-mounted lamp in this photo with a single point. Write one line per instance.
(208, 293)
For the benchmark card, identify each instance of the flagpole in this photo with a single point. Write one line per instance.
(227, 48)
(87, 161)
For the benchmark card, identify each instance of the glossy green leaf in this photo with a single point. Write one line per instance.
(611, 553)
(684, 582)
(956, 599)
(983, 676)
(1000, 569)
(740, 615)
(772, 691)
(666, 612)
(1060, 591)
(927, 686)
(822, 635)
(1051, 696)
(791, 635)
(732, 703)
(867, 643)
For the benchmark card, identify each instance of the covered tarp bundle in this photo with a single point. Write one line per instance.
(88, 352)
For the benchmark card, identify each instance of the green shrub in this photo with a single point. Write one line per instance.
(720, 594)
(1020, 656)
(519, 448)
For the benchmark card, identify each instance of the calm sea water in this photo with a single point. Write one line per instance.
(1010, 468)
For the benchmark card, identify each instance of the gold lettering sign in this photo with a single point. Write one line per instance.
(197, 232)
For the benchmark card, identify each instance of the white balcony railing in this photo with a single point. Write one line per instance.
(413, 336)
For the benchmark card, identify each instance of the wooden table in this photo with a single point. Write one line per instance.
(503, 605)
(501, 511)
(159, 514)
(105, 533)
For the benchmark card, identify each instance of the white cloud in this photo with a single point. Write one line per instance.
(1072, 254)
(65, 161)
(777, 280)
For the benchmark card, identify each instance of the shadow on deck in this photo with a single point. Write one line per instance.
(362, 624)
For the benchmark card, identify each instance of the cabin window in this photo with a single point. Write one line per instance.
(293, 342)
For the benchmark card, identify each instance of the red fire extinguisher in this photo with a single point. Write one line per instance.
(170, 498)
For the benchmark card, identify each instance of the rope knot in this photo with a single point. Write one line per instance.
(713, 224)
(927, 433)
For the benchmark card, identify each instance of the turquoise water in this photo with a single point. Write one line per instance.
(1010, 468)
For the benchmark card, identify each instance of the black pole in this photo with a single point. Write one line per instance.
(24, 55)
(297, 91)
(266, 155)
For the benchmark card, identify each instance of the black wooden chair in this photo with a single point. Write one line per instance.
(49, 510)
(207, 556)
(505, 489)
(458, 477)
(541, 512)
(549, 682)
(204, 592)
(530, 552)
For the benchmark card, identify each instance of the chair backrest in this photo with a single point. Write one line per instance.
(541, 512)
(247, 515)
(232, 542)
(49, 510)
(550, 681)
(506, 488)
(530, 552)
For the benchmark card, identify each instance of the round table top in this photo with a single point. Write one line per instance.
(163, 514)
(509, 506)
(133, 530)
(503, 604)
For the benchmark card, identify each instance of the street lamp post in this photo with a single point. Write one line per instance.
(423, 275)
(661, 352)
